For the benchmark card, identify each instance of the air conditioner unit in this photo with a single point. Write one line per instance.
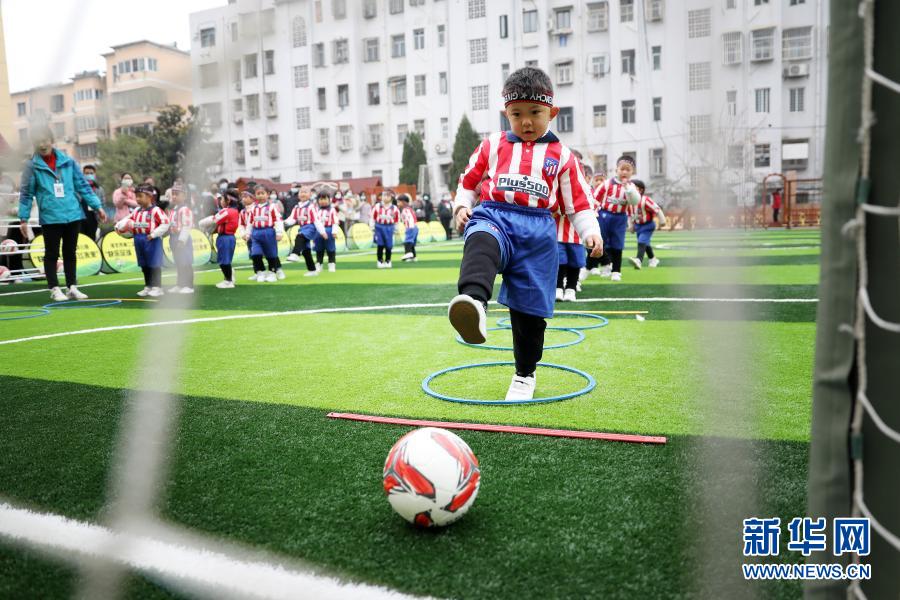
(237, 85)
(550, 25)
(798, 70)
(273, 154)
(364, 149)
(654, 10)
(440, 148)
(239, 117)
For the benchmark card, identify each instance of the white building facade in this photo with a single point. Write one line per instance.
(725, 90)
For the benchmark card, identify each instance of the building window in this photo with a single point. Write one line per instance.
(86, 151)
(237, 107)
(476, 9)
(563, 19)
(763, 41)
(318, 53)
(339, 8)
(762, 100)
(303, 117)
(419, 128)
(731, 102)
(417, 2)
(238, 151)
(299, 31)
(234, 32)
(442, 82)
(304, 159)
(321, 97)
(252, 103)
(628, 62)
(700, 128)
(657, 162)
(207, 37)
(249, 66)
(418, 39)
(699, 75)
(479, 97)
(370, 9)
(626, 11)
(209, 75)
(323, 141)
(657, 109)
(654, 10)
(599, 115)
(760, 2)
(732, 46)
(395, 7)
(345, 137)
(565, 119)
(504, 72)
(598, 16)
(735, 156)
(699, 23)
(398, 90)
(478, 50)
(796, 44)
(529, 21)
(504, 27)
(340, 51)
(374, 94)
(441, 35)
(343, 91)
(398, 45)
(656, 57)
(402, 132)
(564, 73)
(271, 104)
(629, 111)
(269, 63)
(20, 109)
(761, 154)
(532, 63)
(445, 128)
(598, 65)
(301, 76)
(419, 85)
(794, 155)
(57, 103)
(797, 99)
(730, 4)
(371, 47)
(272, 145)
(376, 136)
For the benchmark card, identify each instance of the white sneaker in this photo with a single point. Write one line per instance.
(155, 292)
(578, 287)
(606, 271)
(260, 277)
(380, 265)
(635, 262)
(75, 294)
(186, 290)
(332, 267)
(569, 295)
(56, 295)
(225, 285)
(388, 265)
(144, 292)
(654, 262)
(280, 274)
(521, 388)
(174, 290)
(583, 274)
(559, 294)
(319, 267)
(615, 277)
(595, 271)
(415, 259)
(468, 318)
(311, 273)
(408, 256)
(270, 277)
(254, 277)
(293, 257)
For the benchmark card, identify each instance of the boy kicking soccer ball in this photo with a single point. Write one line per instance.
(643, 225)
(530, 173)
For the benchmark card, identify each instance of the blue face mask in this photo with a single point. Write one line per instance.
(90, 177)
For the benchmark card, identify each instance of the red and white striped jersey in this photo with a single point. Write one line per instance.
(147, 220)
(386, 215)
(246, 216)
(541, 174)
(181, 218)
(264, 215)
(645, 210)
(227, 221)
(328, 216)
(408, 216)
(565, 231)
(304, 214)
(611, 196)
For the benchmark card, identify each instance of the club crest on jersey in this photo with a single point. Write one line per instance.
(551, 166)
(515, 182)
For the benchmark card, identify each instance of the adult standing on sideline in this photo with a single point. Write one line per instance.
(123, 197)
(776, 204)
(89, 225)
(55, 181)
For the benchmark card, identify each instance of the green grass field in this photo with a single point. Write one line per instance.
(257, 461)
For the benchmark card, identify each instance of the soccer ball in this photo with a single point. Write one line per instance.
(431, 477)
(4, 273)
(125, 227)
(7, 246)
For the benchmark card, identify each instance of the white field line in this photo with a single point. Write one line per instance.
(201, 565)
(314, 311)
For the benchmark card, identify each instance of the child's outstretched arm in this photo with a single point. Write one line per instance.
(469, 180)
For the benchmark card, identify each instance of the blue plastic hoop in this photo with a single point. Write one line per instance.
(426, 385)
(504, 322)
(40, 313)
(577, 340)
(82, 303)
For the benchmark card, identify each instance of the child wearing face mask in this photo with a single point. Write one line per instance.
(123, 197)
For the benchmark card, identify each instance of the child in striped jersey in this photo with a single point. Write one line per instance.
(328, 218)
(266, 229)
(643, 224)
(180, 243)
(306, 216)
(571, 258)
(385, 215)
(411, 223)
(246, 226)
(521, 176)
(616, 197)
(150, 225)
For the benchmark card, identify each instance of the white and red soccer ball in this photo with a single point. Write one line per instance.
(431, 477)
(125, 227)
(8, 246)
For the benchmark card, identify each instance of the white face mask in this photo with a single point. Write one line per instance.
(295, 190)
(127, 183)
(273, 197)
(223, 186)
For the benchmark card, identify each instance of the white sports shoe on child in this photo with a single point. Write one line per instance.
(595, 271)
(615, 277)
(583, 274)
(654, 262)
(311, 274)
(270, 277)
(468, 317)
(635, 262)
(74, 294)
(293, 257)
(155, 292)
(408, 256)
(381, 265)
(186, 291)
(521, 388)
(174, 290)
(225, 285)
(569, 295)
(254, 277)
(144, 292)
(578, 287)
(280, 274)
(388, 265)
(606, 271)
(559, 294)
(332, 267)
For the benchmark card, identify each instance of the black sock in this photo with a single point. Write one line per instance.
(380, 253)
(605, 258)
(226, 272)
(387, 254)
(156, 277)
(560, 276)
(528, 341)
(146, 271)
(258, 264)
(641, 249)
(571, 277)
(307, 256)
(413, 250)
(650, 253)
(331, 257)
(320, 255)
(616, 260)
(480, 264)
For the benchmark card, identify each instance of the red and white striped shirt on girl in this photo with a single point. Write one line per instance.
(612, 196)
(264, 215)
(182, 218)
(408, 216)
(227, 221)
(385, 215)
(147, 220)
(328, 216)
(541, 174)
(304, 214)
(246, 217)
(645, 210)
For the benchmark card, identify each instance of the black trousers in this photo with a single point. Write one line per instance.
(410, 249)
(320, 256)
(775, 214)
(67, 233)
(614, 257)
(89, 224)
(479, 268)
(301, 246)
(152, 276)
(567, 277)
(384, 253)
(445, 223)
(644, 248)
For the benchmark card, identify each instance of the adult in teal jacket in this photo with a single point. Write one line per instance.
(55, 181)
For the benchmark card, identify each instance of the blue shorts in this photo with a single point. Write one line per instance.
(645, 232)
(149, 252)
(264, 243)
(384, 235)
(323, 244)
(528, 255)
(411, 235)
(225, 245)
(572, 255)
(612, 229)
(309, 231)
(182, 253)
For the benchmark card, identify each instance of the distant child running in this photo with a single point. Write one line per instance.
(180, 243)
(615, 197)
(385, 215)
(150, 225)
(266, 229)
(643, 225)
(411, 223)
(306, 216)
(328, 217)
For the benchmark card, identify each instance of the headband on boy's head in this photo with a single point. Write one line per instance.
(625, 159)
(544, 97)
(247, 193)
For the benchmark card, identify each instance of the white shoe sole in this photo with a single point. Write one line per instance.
(465, 319)
(636, 263)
